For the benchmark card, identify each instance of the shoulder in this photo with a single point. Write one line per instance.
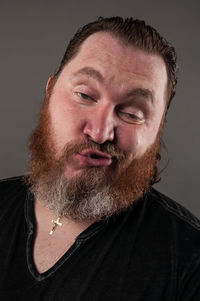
(11, 181)
(173, 210)
(13, 192)
(178, 227)
(12, 185)
(183, 237)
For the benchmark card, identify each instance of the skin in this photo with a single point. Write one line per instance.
(86, 105)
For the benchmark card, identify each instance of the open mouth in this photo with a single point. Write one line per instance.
(93, 157)
(95, 154)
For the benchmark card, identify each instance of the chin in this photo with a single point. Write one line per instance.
(70, 174)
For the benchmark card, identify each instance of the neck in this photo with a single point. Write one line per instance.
(44, 217)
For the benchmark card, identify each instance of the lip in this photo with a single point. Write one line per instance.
(90, 152)
(102, 159)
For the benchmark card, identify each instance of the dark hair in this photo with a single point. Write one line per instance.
(131, 32)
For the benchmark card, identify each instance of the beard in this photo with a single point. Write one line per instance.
(96, 192)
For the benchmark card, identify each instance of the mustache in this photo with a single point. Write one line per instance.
(106, 147)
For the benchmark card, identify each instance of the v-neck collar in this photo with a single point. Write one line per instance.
(30, 220)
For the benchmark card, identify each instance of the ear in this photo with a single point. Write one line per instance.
(49, 85)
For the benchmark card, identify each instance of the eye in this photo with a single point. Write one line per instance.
(131, 118)
(84, 96)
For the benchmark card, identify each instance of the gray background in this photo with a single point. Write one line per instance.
(33, 37)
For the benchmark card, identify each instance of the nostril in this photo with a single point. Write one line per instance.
(99, 131)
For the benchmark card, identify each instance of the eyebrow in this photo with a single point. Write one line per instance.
(91, 72)
(145, 93)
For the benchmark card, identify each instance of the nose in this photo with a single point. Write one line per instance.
(100, 125)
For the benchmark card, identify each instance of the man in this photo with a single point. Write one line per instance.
(86, 224)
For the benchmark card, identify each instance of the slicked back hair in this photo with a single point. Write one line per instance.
(131, 32)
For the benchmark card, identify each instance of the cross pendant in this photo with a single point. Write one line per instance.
(55, 224)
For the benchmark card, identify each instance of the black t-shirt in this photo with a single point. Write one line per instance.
(149, 252)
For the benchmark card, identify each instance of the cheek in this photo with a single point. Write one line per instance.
(136, 140)
(128, 140)
(65, 124)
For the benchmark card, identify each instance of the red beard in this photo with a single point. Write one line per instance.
(125, 182)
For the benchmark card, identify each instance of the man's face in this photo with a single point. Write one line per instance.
(108, 92)
(104, 114)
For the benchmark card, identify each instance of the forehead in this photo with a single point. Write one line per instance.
(118, 63)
